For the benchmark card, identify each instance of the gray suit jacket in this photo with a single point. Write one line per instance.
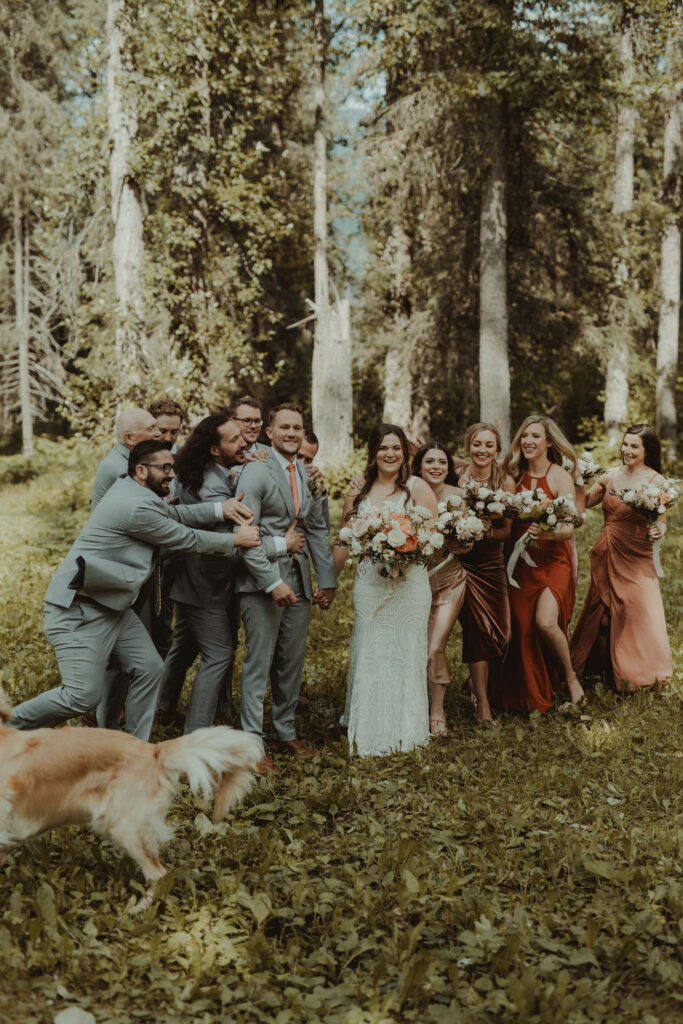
(267, 494)
(116, 550)
(112, 466)
(205, 581)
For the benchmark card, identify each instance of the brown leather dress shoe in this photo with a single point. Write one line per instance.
(265, 765)
(292, 747)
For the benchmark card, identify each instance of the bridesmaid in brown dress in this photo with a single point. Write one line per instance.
(433, 462)
(485, 616)
(622, 624)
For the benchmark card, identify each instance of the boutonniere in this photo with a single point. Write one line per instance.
(314, 487)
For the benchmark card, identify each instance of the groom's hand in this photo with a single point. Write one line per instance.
(324, 598)
(295, 539)
(283, 595)
(246, 537)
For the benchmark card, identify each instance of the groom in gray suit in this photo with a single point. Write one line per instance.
(275, 597)
(88, 615)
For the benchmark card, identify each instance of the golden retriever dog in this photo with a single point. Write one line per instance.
(115, 783)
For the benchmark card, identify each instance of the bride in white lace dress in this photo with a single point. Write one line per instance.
(386, 701)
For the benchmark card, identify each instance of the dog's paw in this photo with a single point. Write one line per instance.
(142, 904)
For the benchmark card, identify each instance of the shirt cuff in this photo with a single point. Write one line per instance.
(218, 508)
(280, 547)
(272, 586)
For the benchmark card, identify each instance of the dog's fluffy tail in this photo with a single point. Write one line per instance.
(5, 708)
(219, 762)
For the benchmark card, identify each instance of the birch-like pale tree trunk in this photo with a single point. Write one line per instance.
(126, 203)
(398, 375)
(494, 365)
(669, 310)
(331, 390)
(21, 325)
(616, 373)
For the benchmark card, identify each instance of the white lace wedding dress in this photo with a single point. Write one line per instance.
(386, 700)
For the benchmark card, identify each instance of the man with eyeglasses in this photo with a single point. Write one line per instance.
(247, 413)
(88, 615)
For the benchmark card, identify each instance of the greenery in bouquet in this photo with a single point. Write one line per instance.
(392, 540)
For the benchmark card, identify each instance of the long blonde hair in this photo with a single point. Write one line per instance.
(497, 475)
(559, 448)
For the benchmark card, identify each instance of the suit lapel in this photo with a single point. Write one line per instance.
(281, 481)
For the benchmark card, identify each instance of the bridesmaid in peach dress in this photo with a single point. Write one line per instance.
(433, 462)
(542, 603)
(485, 615)
(622, 626)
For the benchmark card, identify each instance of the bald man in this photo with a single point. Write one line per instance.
(132, 426)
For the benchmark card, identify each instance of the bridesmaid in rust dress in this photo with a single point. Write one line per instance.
(542, 603)
(485, 616)
(433, 462)
(622, 625)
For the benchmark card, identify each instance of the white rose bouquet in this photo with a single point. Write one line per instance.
(392, 540)
(652, 501)
(550, 514)
(587, 468)
(495, 503)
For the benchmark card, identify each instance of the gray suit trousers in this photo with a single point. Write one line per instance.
(205, 631)
(84, 637)
(276, 643)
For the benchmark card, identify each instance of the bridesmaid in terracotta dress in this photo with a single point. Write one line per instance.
(433, 462)
(541, 606)
(622, 625)
(485, 616)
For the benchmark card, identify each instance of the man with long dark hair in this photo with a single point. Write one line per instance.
(202, 585)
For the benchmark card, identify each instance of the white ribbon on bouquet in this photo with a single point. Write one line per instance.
(655, 557)
(519, 551)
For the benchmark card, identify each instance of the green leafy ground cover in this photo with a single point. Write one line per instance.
(529, 872)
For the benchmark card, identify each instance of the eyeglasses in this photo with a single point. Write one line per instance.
(249, 421)
(165, 467)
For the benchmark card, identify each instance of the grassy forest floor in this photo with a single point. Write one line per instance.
(526, 872)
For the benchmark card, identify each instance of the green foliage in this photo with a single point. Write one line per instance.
(527, 872)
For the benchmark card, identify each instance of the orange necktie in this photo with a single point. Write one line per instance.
(294, 489)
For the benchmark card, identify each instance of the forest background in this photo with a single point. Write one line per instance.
(417, 210)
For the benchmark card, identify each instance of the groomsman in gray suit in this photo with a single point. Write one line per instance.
(88, 616)
(275, 597)
(132, 426)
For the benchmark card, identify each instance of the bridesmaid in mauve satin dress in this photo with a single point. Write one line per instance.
(542, 603)
(485, 615)
(622, 624)
(433, 462)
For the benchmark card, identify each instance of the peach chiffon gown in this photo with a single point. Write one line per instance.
(624, 587)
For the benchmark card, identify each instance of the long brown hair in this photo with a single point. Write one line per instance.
(497, 475)
(194, 458)
(559, 448)
(377, 435)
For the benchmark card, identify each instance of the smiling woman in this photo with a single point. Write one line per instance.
(386, 700)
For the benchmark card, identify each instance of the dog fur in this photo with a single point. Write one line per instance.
(115, 783)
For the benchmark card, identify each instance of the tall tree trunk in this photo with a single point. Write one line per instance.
(331, 393)
(398, 377)
(126, 204)
(494, 365)
(667, 342)
(21, 323)
(616, 374)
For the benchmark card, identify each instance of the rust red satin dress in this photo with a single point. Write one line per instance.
(485, 615)
(529, 677)
(624, 585)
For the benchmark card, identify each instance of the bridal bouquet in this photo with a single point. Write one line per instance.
(392, 540)
(492, 502)
(457, 523)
